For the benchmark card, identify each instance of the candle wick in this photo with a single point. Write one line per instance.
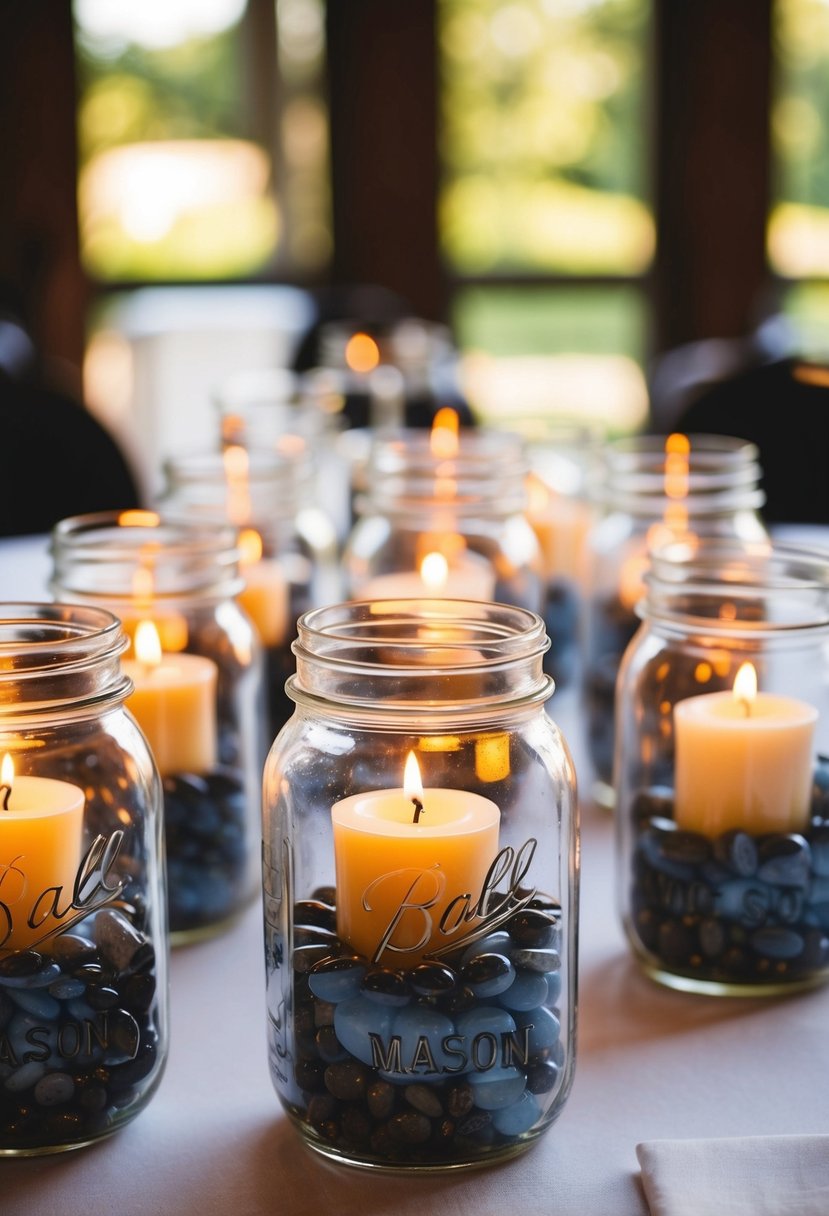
(746, 704)
(6, 795)
(418, 806)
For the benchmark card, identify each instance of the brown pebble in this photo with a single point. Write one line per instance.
(355, 1126)
(346, 1081)
(424, 1099)
(323, 1013)
(321, 1108)
(459, 1101)
(410, 1127)
(380, 1099)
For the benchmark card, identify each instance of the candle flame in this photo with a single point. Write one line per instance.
(412, 783)
(7, 771)
(434, 571)
(147, 644)
(250, 546)
(362, 354)
(443, 441)
(745, 686)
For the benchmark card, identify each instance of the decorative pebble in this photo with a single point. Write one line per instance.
(784, 860)
(532, 929)
(544, 1029)
(432, 979)
(355, 1019)
(518, 1118)
(528, 990)
(424, 1099)
(346, 1081)
(53, 1089)
(494, 943)
(116, 937)
(422, 1031)
(380, 1099)
(386, 987)
(738, 851)
(337, 979)
(409, 1127)
(777, 943)
(498, 1088)
(37, 1002)
(541, 961)
(488, 974)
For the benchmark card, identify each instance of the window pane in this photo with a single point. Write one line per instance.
(182, 176)
(543, 143)
(554, 352)
(798, 236)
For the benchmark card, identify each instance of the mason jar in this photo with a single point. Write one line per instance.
(654, 490)
(83, 930)
(287, 544)
(420, 868)
(275, 410)
(196, 666)
(722, 770)
(443, 516)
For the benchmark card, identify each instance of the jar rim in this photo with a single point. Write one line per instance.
(191, 556)
(57, 656)
(402, 658)
(789, 579)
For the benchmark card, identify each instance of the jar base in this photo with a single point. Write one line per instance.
(687, 983)
(495, 1157)
(51, 1150)
(203, 933)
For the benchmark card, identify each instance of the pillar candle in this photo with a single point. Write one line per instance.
(469, 577)
(41, 830)
(743, 760)
(399, 872)
(174, 703)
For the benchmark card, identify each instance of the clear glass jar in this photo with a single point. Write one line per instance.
(287, 543)
(420, 944)
(721, 770)
(269, 409)
(445, 521)
(561, 510)
(83, 941)
(655, 490)
(198, 697)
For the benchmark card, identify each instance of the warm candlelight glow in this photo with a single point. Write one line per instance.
(412, 782)
(745, 686)
(362, 354)
(147, 644)
(434, 571)
(7, 771)
(250, 546)
(443, 441)
(138, 519)
(237, 464)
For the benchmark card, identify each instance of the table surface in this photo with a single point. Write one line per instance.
(652, 1063)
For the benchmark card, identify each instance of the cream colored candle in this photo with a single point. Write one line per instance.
(404, 877)
(264, 596)
(469, 577)
(174, 703)
(743, 760)
(41, 830)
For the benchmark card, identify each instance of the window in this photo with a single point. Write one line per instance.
(202, 140)
(545, 215)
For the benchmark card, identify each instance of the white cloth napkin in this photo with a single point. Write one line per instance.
(746, 1176)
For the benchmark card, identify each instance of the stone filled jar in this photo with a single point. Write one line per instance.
(83, 928)
(196, 665)
(721, 770)
(654, 490)
(420, 869)
(443, 516)
(287, 543)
